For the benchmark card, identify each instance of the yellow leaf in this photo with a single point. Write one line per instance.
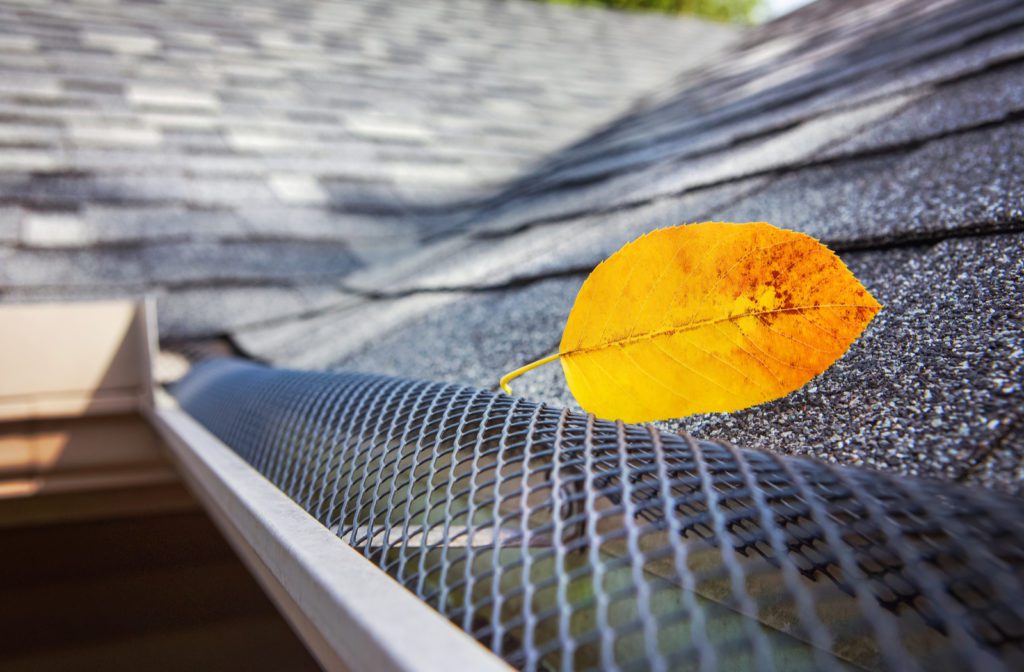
(708, 317)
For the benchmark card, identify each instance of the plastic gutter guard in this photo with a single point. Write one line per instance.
(350, 615)
(564, 542)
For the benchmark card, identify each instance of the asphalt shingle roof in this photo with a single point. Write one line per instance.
(268, 149)
(893, 131)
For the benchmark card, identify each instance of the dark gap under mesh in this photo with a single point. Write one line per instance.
(563, 542)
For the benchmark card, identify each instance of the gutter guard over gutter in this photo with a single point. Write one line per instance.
(350, 614)
(565, 542)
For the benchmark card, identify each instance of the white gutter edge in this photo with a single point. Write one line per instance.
(350, 614)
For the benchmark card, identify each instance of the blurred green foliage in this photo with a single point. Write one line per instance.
(718, 10)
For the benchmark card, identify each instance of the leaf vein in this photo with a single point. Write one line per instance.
(693, 326)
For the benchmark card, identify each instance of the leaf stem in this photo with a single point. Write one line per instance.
(512, 375)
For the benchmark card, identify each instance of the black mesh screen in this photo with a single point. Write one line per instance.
(565, 542)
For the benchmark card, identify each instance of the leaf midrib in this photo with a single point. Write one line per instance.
(650, 335)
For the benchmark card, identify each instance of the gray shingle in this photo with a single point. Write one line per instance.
(10, 224)
(202, 312)
(363, 196)
(317, 224)
(29, 159)
(984, 99)
(959, 184)
(122, 225)
(108, 135)
(201, 263)
(209, 192)
(72, 269)
(27, 136)
(54, 230)
(71, 189)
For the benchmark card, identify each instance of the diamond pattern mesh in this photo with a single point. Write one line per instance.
(563, 542)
